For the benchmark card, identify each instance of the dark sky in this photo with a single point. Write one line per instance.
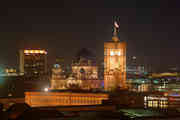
(150, 27)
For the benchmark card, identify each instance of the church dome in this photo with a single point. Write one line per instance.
(85, 56)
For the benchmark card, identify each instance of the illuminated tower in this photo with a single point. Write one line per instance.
(114, 63)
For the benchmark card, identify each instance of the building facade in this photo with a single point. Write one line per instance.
(86, 71)
(33, 62)
(39, 99)
(84, 74)
(114, 64)
(58, 80)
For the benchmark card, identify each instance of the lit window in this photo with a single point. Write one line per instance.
(145, 98)
(163, 104)
(105, 52)
(155, 103)
(150, 104)
(111, 53)
(119, 53)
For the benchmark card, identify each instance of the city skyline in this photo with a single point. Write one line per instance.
(150, 30)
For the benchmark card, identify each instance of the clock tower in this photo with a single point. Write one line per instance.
(114, 63)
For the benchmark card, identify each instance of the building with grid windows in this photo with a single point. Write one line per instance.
(33, 62)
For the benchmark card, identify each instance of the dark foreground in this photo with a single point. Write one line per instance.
(103, 112)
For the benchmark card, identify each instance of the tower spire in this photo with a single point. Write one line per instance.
(115, 36)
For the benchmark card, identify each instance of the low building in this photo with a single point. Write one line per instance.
(66, 98)
(164, 100)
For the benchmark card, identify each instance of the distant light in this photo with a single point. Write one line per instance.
(46, 89)
(9, 94)
(134, 57)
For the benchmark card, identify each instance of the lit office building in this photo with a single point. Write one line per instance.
(114, 63)
(33, 62)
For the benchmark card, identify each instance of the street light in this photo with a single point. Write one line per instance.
(46, 89)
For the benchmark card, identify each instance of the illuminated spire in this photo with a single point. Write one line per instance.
(115, 37)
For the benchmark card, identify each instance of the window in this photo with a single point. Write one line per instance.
(163, 104)
(111, 53)
(105, 52)
(118, 53)
(155, 103)
(149, 103)
(152, 103)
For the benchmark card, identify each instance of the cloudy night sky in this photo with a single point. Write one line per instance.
(151, 29)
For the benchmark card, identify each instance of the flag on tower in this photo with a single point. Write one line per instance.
(116, 25)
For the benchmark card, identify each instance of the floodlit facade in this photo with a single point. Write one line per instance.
(84, 74)
(38, 99)
(58, 80)
(33, 62)
(114, 64)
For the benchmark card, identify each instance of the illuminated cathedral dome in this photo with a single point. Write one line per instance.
(85, 56)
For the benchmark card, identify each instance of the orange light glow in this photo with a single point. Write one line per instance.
(41, 51)
(26, 51)
(32, 51)
(35, 52)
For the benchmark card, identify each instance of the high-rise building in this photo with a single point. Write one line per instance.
(33, 62)
(114, 63)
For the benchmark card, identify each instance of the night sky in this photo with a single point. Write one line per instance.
(151, 29)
